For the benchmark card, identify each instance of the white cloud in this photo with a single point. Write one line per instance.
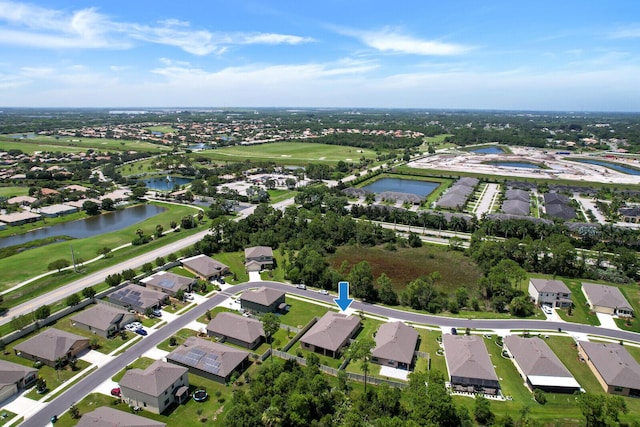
(389, 40)
(628, 32)
(35, 26)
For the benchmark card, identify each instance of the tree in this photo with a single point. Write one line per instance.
(41, 385)
(414, 240)
(105, 252)
(187, 222)
(159, 230)
(113, 279)
(42, 312)
(270, 325)
(482, 411)
(386, 293)
(128, 274)
(160, 261)
(20, 322)
(58, 264)
(88, 292)
(462, 296)
(147, 267)
(74, 411)
(601, 410)
(108, 204)
(73, 299)
(361, 282)
(91, 207)
(138, 192)
(361, 351)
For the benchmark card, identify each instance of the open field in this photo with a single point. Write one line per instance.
(35, 261)
(289, 153)
(75, 145)
(407, 264)
(139, 167)
(163, 129)
(9, 192)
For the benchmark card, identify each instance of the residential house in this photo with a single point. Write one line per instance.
(138, 298)
(539, 365)
(607, 299)
(155, 388)
(557, 205)
(54, 211)
(21, 200)
(15, 377)
(105, 416)
(395, 345)
(19, 218)
(168, 283)
(52, 345)
(550, 291)
(258, 258)
(628, 214)
(238, 330)
(330, 334)
(263, 300)
(210, 360)
(469, 364)
(205, 267)
(102, 319)
(614, 367)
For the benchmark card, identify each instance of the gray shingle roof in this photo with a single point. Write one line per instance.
(467, 357)
(395, 341)
(263, 296)
(11, 373)
(550, 285)
(515, 207)
(331, 331)
(517, 194)
(204, 265)
(169, 281)
(560, 211)
(137, 296)
(154, 379)
(215, 358)
(237, 327)
(614, 363)
(100, 316)
(535, 358)
(50, 344)
(105, 416)
(258, 251)
(605, 296)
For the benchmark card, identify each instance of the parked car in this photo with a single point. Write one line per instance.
(188, 297)
(141, 332)
(547, 310)
(115, 392)
(221, 281)
(156, 313)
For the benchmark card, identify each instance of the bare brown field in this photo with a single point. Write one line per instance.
(407, 264)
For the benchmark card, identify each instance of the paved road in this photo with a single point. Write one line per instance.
(99, 276)
(85, 386)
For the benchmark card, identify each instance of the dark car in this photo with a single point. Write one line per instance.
(141, 332)
(115, 392)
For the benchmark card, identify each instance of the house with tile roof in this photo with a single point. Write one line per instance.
(330, 333)
(235, 329)
(156, 387)
(263, 300)
(606, 299)
(50, 345)
(614, 367)
(539, 365)
(215, 361)
(105, 416)
(468, 363)
(205, 267)
(396, 344)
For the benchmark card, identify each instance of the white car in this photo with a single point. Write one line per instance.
(547, 310)
(324, 291)
(188, 297)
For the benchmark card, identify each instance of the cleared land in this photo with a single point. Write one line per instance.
(290, 153)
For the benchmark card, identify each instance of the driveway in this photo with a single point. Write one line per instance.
(606, 321)
(254, 276)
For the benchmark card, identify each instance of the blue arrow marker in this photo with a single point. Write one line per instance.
(343, 299)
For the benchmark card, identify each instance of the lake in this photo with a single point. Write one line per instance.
(615, 166)
(166, 183)
(489, 150)
(88, 227)
(514, 165)
(419, 188)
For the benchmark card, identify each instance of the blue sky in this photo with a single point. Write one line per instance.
(542, 55)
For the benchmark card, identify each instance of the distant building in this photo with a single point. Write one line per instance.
(54, 211)
(19, 218)
(21, 200)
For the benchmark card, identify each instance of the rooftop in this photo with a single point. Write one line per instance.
(155, 379)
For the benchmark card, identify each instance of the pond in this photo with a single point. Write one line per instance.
(166, 183)
(615, 166)
(88, 227)
(419, 188)
(489, 150)
(523, 165)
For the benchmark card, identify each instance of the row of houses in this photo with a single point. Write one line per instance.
(601, 298)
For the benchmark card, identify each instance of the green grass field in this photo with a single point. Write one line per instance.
(163, 129)
(289, 153)
(137, 168)
(13, 191)
(76, 145)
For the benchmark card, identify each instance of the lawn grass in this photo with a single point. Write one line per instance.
(276, 196)
(213, 312)
(35, 261)
(235, 262)
(407, 264)
(180, 337)
(139, 363)
(181, 271)
(161, 128)
(297, 350)
(632, 294)
(144, 166)
(78, 144)
(8, 417)
(301, 312)
(11, 191)
(289, 153)
(429, 344)
(580, 313)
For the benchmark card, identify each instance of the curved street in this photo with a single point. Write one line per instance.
(87, 384)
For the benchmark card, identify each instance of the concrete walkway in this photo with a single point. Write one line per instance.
(606, 321)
